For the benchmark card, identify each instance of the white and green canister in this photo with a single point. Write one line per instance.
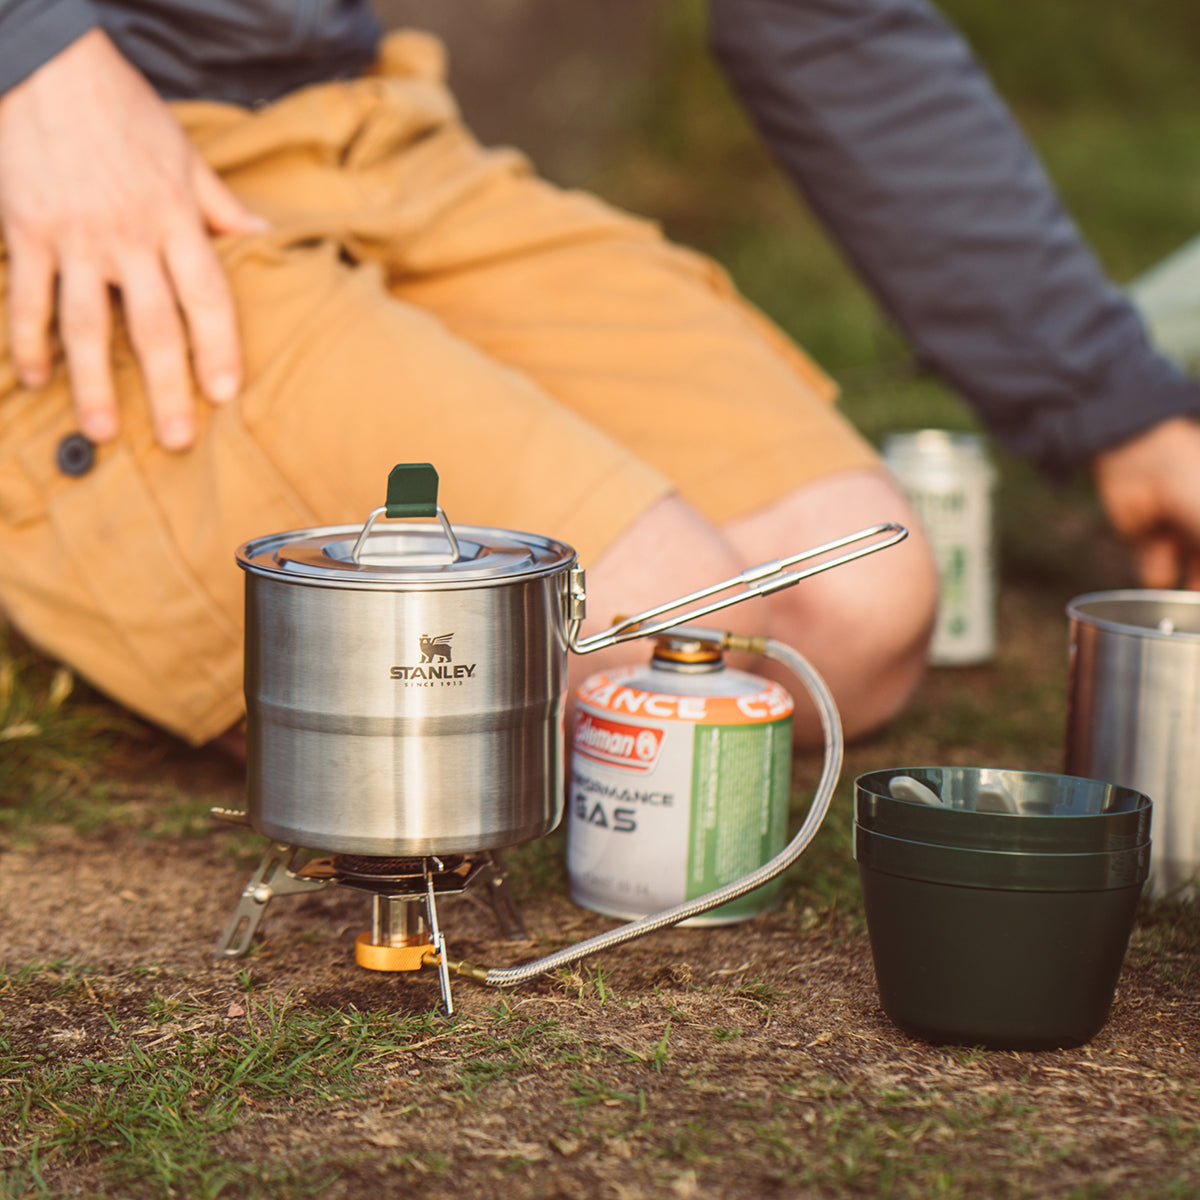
(949, 481)
(680, 782)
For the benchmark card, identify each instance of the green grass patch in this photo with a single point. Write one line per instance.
(150, 1098)
(54, 738)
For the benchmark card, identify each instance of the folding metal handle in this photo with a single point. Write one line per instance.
(762, 580)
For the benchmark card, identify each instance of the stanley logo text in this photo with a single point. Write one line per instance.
(435, 668)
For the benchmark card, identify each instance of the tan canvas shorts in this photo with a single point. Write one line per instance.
(419, 298)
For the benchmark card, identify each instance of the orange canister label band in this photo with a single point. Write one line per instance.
(610, 695)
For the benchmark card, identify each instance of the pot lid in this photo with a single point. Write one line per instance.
(435, 555)
(405, 555)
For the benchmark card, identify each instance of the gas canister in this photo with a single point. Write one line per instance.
(949, 481)
(680, 781)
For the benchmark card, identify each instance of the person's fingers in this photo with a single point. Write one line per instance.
(1159, 560)
(110, 211)
(202, 287)
(159, 341)
(1191, 568)
(30, 312)
(206, 301)
(85, 326)
(222, 211)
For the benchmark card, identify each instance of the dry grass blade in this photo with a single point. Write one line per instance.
(55, 736)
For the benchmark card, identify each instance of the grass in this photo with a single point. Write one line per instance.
(154, 1094)
(54, 737)
(170, 1096)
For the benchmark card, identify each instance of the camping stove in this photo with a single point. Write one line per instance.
(427, 664)
(405, 934)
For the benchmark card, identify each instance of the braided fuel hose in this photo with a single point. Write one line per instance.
(831, 725)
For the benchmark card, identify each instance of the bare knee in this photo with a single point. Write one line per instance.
(866, 628)
(866, 625)
(669, 552)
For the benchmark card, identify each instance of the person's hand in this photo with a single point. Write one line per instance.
(100, 188)
(1150, 489)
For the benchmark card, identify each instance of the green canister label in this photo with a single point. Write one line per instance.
(741, 780)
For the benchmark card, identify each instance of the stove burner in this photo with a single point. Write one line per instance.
(404, 935)
(373, 867)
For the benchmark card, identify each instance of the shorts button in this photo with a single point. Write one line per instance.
(75, 455)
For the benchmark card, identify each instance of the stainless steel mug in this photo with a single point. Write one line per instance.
(1133, 714)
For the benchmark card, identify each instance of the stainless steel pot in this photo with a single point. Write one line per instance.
(405, 684)
(1133, 714)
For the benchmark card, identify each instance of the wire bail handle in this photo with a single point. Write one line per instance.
(411, 492)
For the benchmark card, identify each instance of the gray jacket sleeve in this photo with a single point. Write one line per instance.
(33, 31)
(240, 51)
(884, 120)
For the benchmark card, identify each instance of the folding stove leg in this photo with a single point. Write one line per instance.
(500, 897)
(439, 944)
(273, 878)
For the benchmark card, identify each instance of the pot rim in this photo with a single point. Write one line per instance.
(490, 557)
(1077, 611)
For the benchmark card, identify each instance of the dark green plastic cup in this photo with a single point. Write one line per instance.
(998, 945)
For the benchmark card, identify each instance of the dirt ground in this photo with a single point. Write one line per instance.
(752, 1060)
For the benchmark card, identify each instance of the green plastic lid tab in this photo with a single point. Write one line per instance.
(412, 490)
